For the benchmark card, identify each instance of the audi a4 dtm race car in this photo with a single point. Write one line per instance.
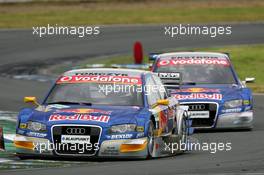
(209, 85)
(102, 113)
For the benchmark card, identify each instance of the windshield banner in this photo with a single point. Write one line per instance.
(99, 79)
(171, 62)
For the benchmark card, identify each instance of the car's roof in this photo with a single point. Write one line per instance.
(184, 55)
(106, 71)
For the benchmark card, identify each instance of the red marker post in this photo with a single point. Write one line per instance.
(2, 143)
(138, 53)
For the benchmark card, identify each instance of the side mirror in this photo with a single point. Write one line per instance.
(31, 100)
(164, 102)
(249, 79)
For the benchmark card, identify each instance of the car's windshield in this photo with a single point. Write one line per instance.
(95, 93)
(201, 73)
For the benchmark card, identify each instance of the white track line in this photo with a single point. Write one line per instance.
(2, 160)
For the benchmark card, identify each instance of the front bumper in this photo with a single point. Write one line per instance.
(242, 120)
(129, 148)
(134, 148)
(32, 146)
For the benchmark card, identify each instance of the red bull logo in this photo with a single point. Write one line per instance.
(199, 96)
(82, 117)
(197, 90)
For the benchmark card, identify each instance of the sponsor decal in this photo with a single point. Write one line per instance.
(199, 114)
(99, 79)
(195, 90)
(35, 134)
(191, 61)
(19, 131)
(84, 111)
(110, 150)
(83, 117)
(169, 75)
(73, 139)
(231, 110)
(102, 73)
(247, 108)
(214, 96)
(141, 134)
(121, 136)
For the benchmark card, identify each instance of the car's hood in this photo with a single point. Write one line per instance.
(218, 93)
(94, 115)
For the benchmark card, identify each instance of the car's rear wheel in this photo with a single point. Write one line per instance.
(151, 141)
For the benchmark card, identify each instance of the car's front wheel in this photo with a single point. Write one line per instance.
(184, 132)
(151, 141)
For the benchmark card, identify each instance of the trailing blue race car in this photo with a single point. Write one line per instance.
(102, 113)
(209, 85)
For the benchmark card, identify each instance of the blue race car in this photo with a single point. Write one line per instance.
(102, 113)
(209, 85)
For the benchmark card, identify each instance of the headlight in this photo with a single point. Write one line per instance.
(233, 103)
(36, 126)
(123, 128)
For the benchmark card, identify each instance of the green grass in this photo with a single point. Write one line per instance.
(248, 61)
(27, 15)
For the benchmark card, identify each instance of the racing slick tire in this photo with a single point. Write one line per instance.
(23, 157)
(151, 141)
(184, 132)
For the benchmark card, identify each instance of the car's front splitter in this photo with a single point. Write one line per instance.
(129, 148)
(241, 120)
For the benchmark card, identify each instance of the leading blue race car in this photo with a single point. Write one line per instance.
(117, 113)
(209, 85)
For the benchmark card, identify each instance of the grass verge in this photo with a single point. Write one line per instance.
(26, 15)
(248, 61)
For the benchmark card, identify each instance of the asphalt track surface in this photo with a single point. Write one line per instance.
(20, 47)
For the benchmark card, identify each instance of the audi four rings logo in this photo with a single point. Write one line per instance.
(75, 131)
(199, 107)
